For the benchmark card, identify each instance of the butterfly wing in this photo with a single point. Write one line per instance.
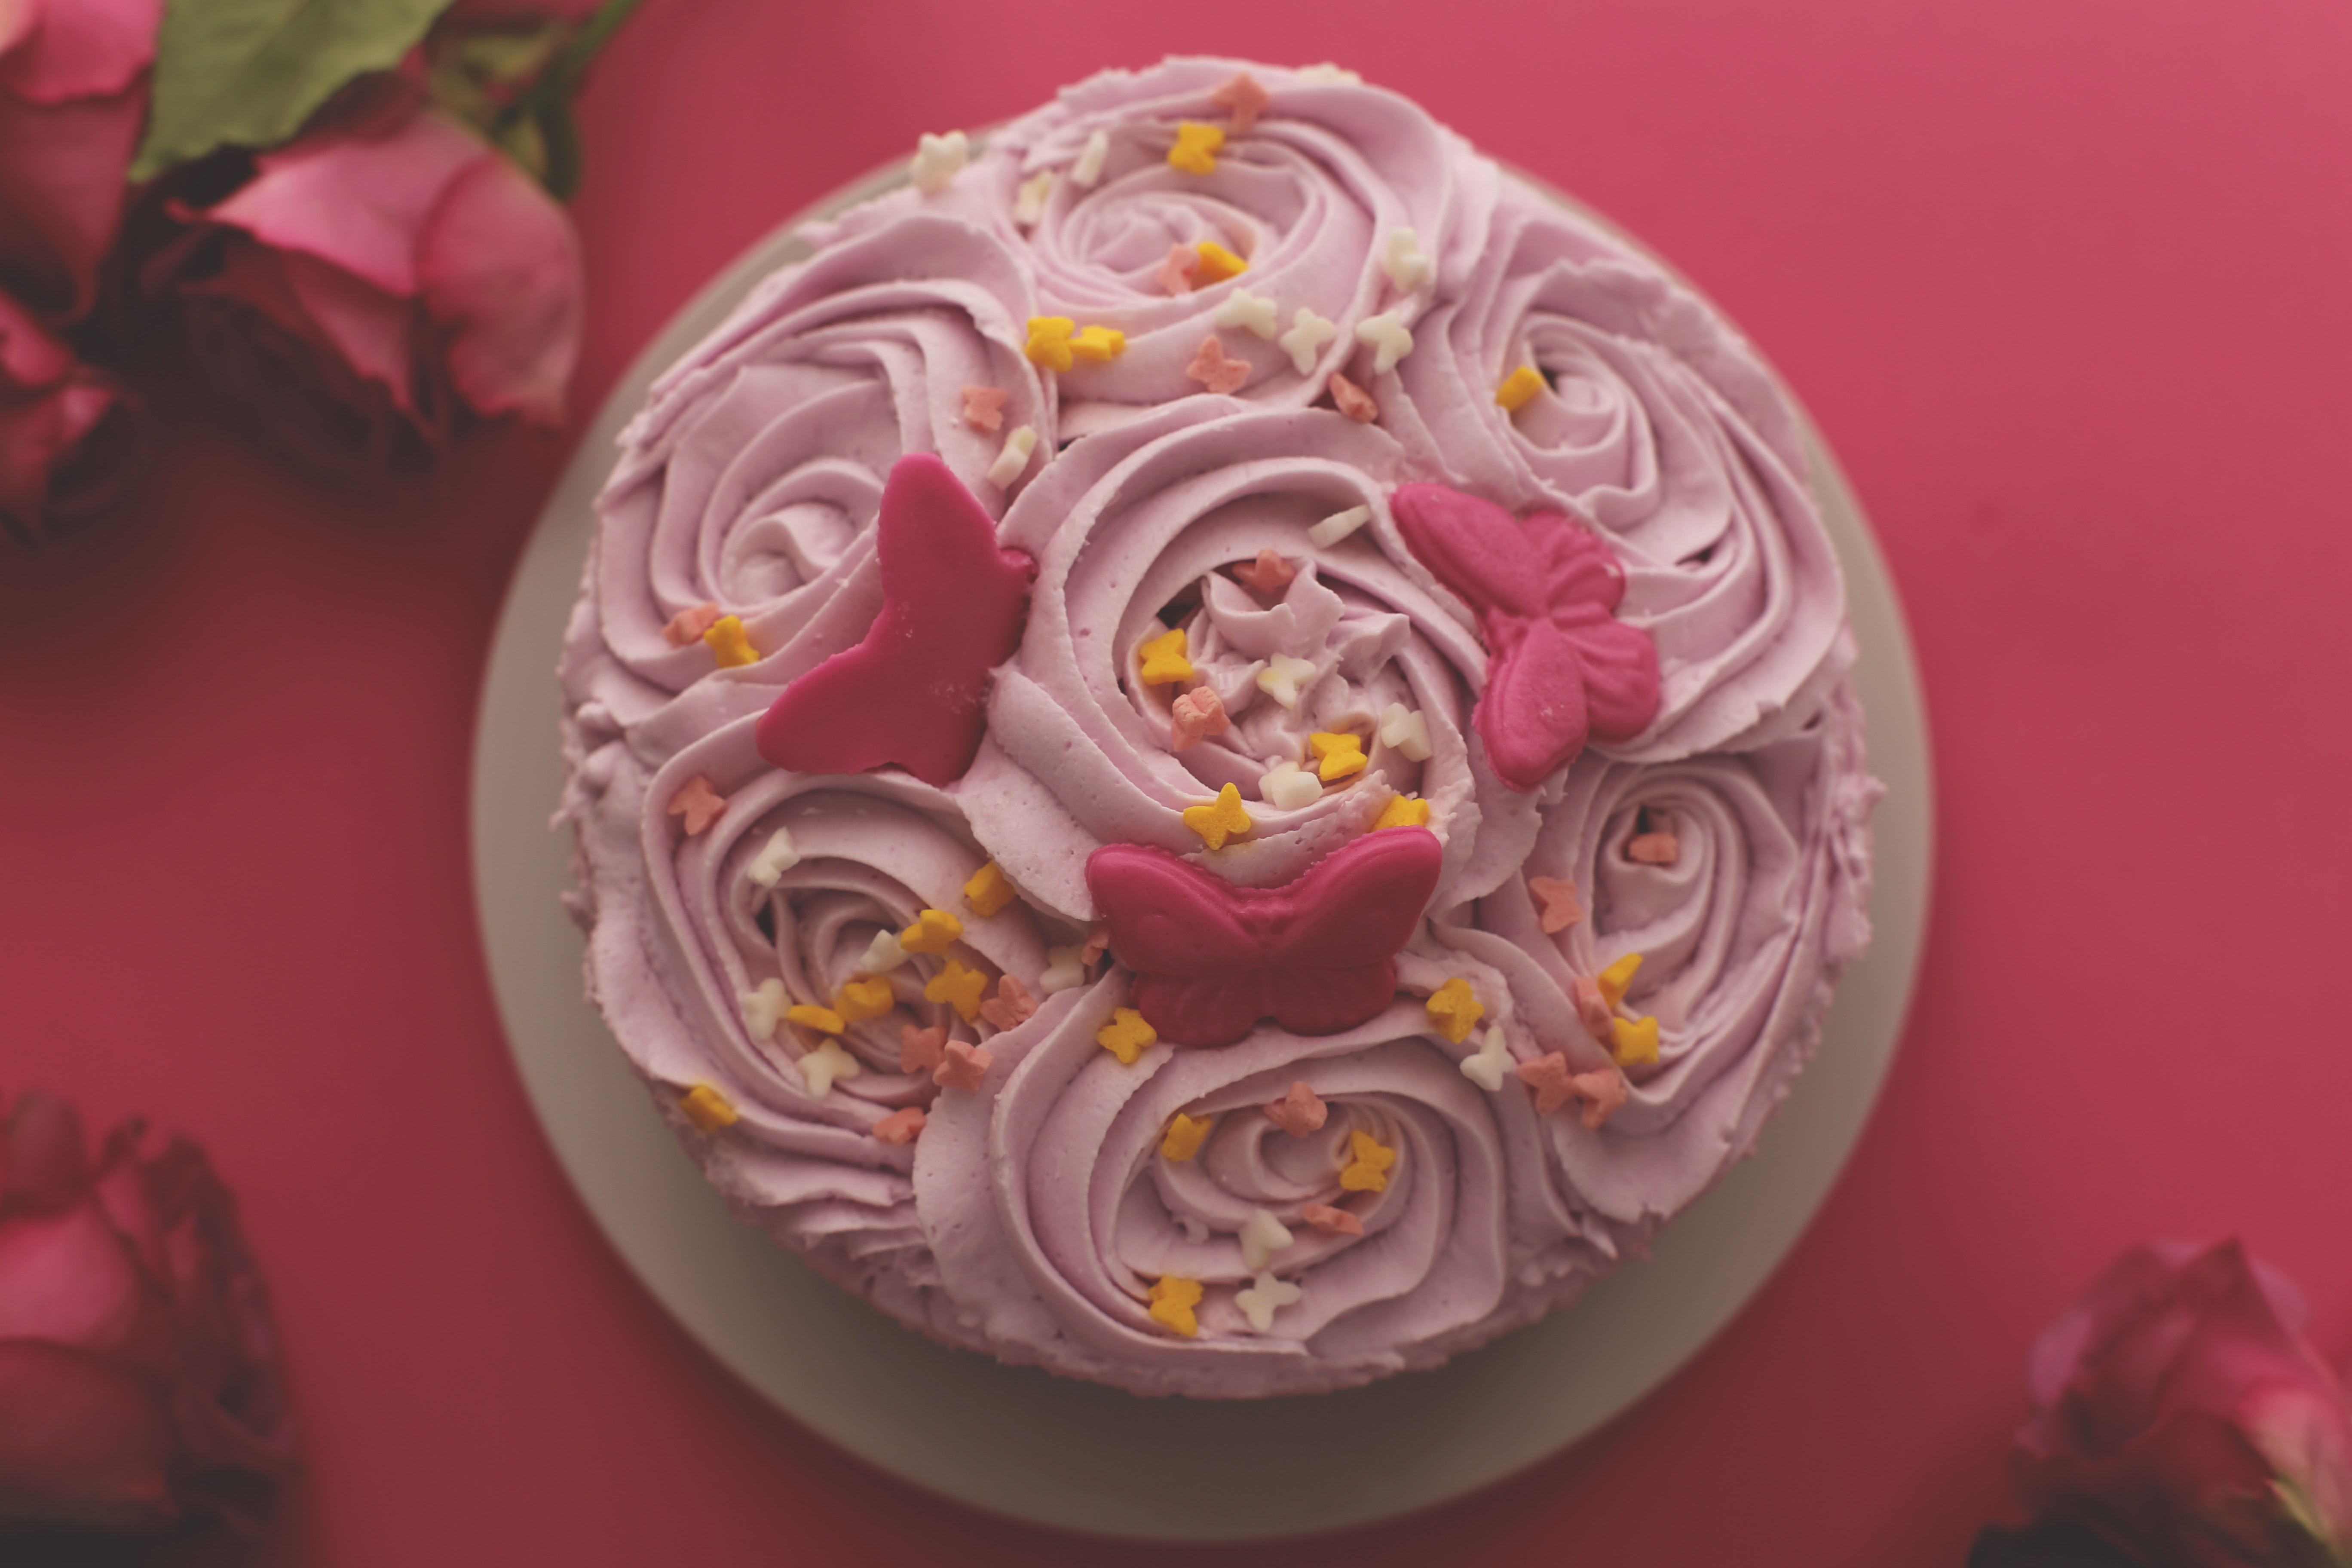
(1359, 905)
(1533, 714)
(1473, 547)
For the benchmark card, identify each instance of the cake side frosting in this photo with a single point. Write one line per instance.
(1352, 496)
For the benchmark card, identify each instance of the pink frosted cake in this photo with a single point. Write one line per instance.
(1214, 749)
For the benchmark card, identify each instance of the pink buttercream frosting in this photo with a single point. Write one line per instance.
(1240, 585)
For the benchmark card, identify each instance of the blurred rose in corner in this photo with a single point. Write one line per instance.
(140, 1383)
(73, 96)
(67, 428)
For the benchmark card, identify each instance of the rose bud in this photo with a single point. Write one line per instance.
(139, 1371)
(73, 93)
(66, 429)
(2178, 1412)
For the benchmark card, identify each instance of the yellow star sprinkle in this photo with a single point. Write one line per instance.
(730, 644)
(1367, 1170)
(1049, 341)
(1636, 1043)
(932, 931)
(824, 1020)
(987, 891)
(1196, 148)
(1220, 819)
(1163, 659)
(1216, 264)
(1455, 1010)
(1099, 344)
(1614, 979)
(1401, 811)
(1127, 1036)
(962, 988)
(869, 999)
(1185, 1135)
(1519, 388)
(708, 1108)
(1342, 754)
(1174, 1297)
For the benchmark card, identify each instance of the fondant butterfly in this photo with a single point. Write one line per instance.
(915, 691)
(1315, 955)
(1560, 666)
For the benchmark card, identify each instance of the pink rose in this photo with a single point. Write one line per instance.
(2179, 1413)
(73, 93)
(139, 1376)
(371, 279)
(66, 429)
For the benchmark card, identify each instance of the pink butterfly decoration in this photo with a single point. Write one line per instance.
(915, 691)
(1317, 955)
(1562, 667)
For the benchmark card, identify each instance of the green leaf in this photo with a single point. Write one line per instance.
(247, 73)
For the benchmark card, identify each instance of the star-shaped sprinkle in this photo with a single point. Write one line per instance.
(983, 408)
(685, 628)
(883, 954)
(1245, 312)
(1175, 275)
(1455, 1010)
(1655, 849)
(1216, 264)
(708, 1108)
(1618, 978)
(987, 890)
(1304, 340)
(1097, 942)
(938, 160)
(934, 932)
(1284, 678)
(1403, 261)
(921, 1050)
(730, 644)
(1492, 1063)
(1401, 811)
(1555, 905)
(1604, 1091)
(1367, 1170)
(1174, 1298)
(823, 1067)
(1220, 819)
(1268, 574)
(1338, 525)
(1593, 1009)
(1088, 167)
(1063, 972)
(1299, 1112)
(1519, 388)
(901, 1128)
(1635, 1041)
(1240, 96)
(1332, 1221)
(824, 1020)
(699, 803)
(1184, 1136)
(1160, 659)
(1405, 732)
(1338, 755)
(1011, 1007)
(1548, 1077)
(1013, 458)
(1196, 148)
(775, 858)
(1261, 1300)
(1216, 370)
(962, 1065)
(1127, 1036)
(763, 1009)
(1100, 345)
(958, 987)
(1195, 716)
(1286, 786)
(1049, 343)
(861, 999)
(1328, 75)
(1387, 337)
(1029, 201)
(1261, 1238)
(1352, 400)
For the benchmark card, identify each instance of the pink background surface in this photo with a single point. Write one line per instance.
(2068, 285)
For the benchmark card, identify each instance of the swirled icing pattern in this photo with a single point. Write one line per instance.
(1223, 600)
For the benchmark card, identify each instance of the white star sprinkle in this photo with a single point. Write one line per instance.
(1252, 312)
(1065, 970)
(1029, 204)
(1284, 678)
(1389, 338)
(1405, 732)
(1308, 332)
(1261, 1238)
(1089, 166)
(1407, 267)
(938, 160)
(1338, 525)
(1012, 462)
(1492, 1065)
(822, 1065)
(763, 1009)
(1328, 75)
(1261, 1301)
(1287, 787)
(768, 865)
(883, 955)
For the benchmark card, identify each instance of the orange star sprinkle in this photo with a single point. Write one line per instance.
(959, 987)
(1176, 272)
(685, 628)
(1367, 1170)
(1162, 659)
(1454, 1009)
(1401, 811)
(1332, 1221)
(986, 891)
(730, 644)
(699, 803)
(1195, 716)
(1185, 1135)
(1012, 1006)
(921, 1050)
(1548, 1077)
(1196, 148)
(1557, 908)
(1655, 849)
(1268, 574)
(901, 1128)
(1174, 1297)
(1352, 400)
(1220, 819)
(1216, 370)
(983, 408)
(1300, 1111)
(932, 931)
(708, 1108)
(1241, 96)
(962, 1065)
(867, 998)
(1127, 1036)
(1049, 343)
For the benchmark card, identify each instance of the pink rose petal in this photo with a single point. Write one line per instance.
(75, 48)
(499, 265)
(81, 1442)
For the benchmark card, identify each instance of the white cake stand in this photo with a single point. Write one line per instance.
(1074, 1455)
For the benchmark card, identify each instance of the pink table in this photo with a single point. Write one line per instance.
(2065, 284)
